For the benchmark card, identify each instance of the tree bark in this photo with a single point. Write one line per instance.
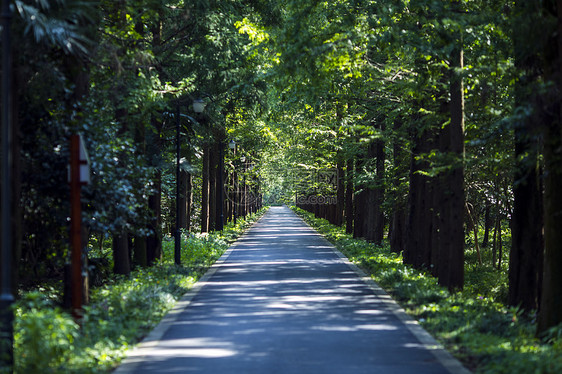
(349, 192)
(419, 220)
(188, 201)
(527, 224)
(140, 256)
(487, 224)
(374, 220)
(452, 207)
(154, 239)
(184, 175)
(398, 224)
(213, 162)
(340, 194)
(379, 195)
(550, 313)
(205, 190)
(360, 203)
(527, 219)
(121, 259)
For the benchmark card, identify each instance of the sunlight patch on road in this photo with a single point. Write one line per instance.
(201, 348)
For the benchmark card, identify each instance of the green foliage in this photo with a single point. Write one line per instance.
(120, 313)
(484, 334)
(44, 331)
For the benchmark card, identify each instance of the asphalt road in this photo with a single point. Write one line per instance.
(282, 300)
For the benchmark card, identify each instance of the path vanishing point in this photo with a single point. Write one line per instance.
(282, 299)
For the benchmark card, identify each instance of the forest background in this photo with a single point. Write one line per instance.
(432, 127)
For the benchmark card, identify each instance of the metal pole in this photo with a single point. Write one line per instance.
(6, 296)
(75, 227)
(177, 243)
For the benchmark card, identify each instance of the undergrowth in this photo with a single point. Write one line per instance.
(120, 313)
(483, 333)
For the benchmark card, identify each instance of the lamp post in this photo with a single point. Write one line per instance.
(6, 296)
(198, 107)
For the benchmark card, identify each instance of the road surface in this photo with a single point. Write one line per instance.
(282, 300)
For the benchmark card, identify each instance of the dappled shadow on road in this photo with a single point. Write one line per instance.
(280, 307)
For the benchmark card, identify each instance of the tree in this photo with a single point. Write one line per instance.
(525, 260)
(550, 313)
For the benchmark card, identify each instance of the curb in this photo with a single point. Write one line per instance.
(451, 364)
(135, 356)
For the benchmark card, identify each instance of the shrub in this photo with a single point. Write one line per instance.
(474, 325)
(121, 311)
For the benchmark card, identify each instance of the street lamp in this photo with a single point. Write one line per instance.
(198, 107)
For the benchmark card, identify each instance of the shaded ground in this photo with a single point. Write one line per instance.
(282, 301)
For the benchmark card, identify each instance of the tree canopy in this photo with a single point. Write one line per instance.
(424, 124)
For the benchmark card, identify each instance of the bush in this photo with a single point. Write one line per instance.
(484, 334)
(121, 312)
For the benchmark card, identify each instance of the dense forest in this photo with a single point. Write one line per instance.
(429, 126)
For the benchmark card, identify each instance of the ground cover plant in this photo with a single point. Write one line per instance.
(121, 312)
(486, 335)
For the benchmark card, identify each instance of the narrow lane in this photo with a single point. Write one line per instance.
(284, 302)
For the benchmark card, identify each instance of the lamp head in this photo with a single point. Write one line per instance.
(199, 105)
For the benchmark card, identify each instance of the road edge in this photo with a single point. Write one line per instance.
(135, 356)
(452, 364)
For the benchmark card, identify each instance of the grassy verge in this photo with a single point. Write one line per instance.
(484, 334)
(120, 313)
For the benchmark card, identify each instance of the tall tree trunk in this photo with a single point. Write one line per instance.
(451, 229)
(154, 239)
(527, 224)
(205, 190)
(349, 192)
(139, 247)
(121, 259)
(551, 303)
(213, 163)
(527, 219)
(379, 219)
(188, 201)
(360, 202)
(140, 256)
(219, 189)
(17, 210)
(184, 175)
(487, 224)
(398, 224)
(340, 194)
(550, 314)
(372, 209)
(419, 220)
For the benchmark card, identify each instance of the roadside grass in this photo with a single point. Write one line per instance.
(474, 325)
(120, 313)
